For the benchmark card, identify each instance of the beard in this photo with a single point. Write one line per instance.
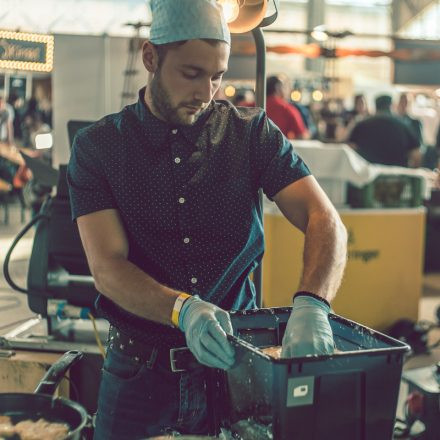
(163, 105)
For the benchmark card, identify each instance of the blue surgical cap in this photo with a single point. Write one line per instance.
(179, 20)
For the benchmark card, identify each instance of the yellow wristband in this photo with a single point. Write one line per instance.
(178, 307)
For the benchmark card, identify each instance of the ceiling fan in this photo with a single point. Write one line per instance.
(322, 49)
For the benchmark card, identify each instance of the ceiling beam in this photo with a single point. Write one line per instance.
(403, 11)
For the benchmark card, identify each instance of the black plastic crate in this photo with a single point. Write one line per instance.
(351, 395)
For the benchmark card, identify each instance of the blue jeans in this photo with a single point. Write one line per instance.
(136, 402)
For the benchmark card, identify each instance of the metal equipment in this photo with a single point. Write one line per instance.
(423, 402)
(42, 404)
(58, 266)
(60, 287)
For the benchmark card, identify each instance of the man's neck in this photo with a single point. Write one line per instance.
(148, 100)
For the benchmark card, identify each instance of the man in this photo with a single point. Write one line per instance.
(385, 139)
(165, 194)
(285, 116)
(6, 122)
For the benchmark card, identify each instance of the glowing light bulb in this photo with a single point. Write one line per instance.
(230, 91)
(231, 9)
(317, 95)
(296, 96)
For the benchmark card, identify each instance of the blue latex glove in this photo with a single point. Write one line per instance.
(308, 330)
(205, 326)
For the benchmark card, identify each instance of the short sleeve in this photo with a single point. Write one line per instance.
(88, 186)
(276, 163)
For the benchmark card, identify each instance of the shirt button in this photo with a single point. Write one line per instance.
(174, 131)
(181, 200)
(194, 280)
(186, 240)
(177, 160)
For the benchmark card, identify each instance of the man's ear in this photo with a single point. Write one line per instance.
(150, 57)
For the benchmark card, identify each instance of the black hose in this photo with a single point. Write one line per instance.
(12, 247)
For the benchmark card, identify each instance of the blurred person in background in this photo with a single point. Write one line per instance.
(431, 156)
(358, 113)
(6, 122)
(245, 98)
(239, 99)
(46, 111)
(37, 126)
(436, 152)
(385, 138)
(32, 117)
(307, 118)
(331, 121)
(17, 103)
(285, 116)
(413, 123)
(437, 144)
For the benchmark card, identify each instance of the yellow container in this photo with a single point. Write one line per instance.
(383, 278)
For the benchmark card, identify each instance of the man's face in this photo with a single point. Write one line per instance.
(190, 74)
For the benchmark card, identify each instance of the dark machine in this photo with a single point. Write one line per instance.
(59, 283)
(60, 288)
(58, 267)
(423, 402)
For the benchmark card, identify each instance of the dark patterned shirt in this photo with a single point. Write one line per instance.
(187, 195)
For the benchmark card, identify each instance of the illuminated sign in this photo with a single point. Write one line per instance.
(23, 51)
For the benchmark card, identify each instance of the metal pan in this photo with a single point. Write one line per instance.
(42, 404)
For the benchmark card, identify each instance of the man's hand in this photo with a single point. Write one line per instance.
(308, 330)
(205, 326)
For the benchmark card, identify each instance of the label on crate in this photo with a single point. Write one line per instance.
(300, 391)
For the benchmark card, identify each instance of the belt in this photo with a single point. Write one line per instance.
(174, 359)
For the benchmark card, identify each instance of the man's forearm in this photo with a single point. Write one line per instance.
(325, 255)
(134, 290)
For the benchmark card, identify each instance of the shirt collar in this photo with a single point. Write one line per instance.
(162, 129)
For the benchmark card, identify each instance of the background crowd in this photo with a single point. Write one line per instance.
(388, 133)
(385, 132)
